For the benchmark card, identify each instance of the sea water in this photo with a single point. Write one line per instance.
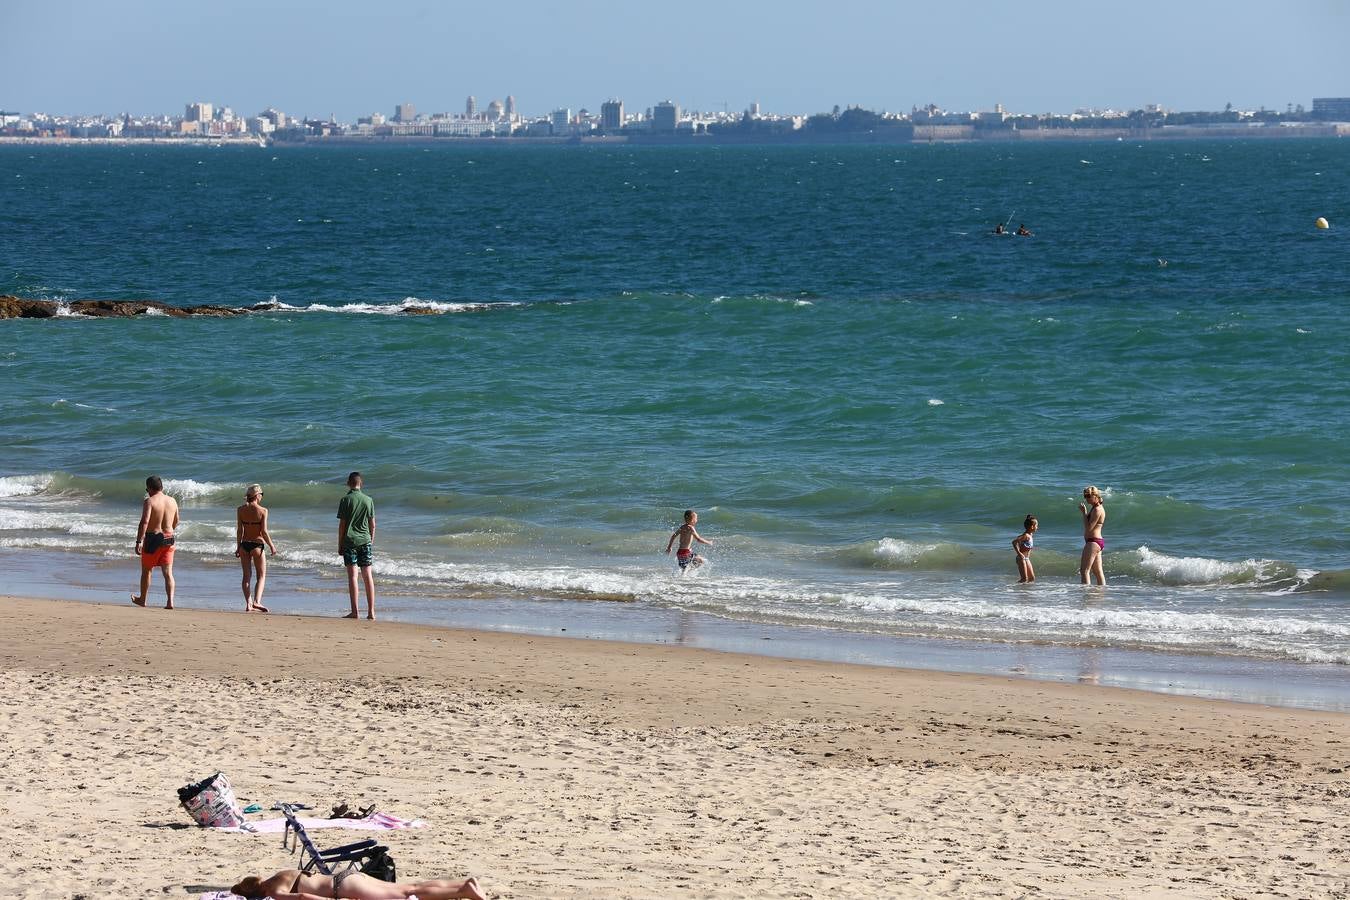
(539, 357)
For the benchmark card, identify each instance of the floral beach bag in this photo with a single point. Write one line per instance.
(211, 803)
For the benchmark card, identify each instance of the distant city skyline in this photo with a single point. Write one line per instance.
(349, 60)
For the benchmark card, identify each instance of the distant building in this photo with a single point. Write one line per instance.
(275, 116)
(665, 116)
(753, 110)
(471, 107)
(405, 112)
(561, 120)
(448, 127)
(495, 111)
(198, 112)
(1331, 109)
(611, 115)
(510, 106)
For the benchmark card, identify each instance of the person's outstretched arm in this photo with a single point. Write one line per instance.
(698, 537)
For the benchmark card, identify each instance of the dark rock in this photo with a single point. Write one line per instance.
(218, 312)
(12, 307)
(122, 309)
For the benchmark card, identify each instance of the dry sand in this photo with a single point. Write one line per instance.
(560, 768)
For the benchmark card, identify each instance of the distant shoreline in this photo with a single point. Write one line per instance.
(922, 134)
(8, 140)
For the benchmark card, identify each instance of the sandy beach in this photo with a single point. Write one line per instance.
(551, 767)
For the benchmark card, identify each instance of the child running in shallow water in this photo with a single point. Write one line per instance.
(687, 534)
(1022, 545)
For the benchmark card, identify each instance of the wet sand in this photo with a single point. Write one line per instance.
(561, 768)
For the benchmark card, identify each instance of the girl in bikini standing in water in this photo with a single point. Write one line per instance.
(1094, 545)
(250, 533)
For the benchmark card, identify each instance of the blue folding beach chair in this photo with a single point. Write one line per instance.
(368, 856)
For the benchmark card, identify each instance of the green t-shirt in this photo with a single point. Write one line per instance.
(358, 509)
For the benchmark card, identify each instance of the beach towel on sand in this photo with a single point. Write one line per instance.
(375, 822)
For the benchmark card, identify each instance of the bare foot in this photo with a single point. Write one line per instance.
(371, 617)
(470, 890)
(168, 606)
(139, 601)
(258, 607)
(351, 616)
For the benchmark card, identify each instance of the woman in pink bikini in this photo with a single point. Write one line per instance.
(1094, 545)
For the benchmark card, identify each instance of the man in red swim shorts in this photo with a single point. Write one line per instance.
(154, 538)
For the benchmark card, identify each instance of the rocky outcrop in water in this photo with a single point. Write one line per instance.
(12, 307)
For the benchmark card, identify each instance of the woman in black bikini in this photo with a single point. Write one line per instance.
(292, 884)
(250, 534)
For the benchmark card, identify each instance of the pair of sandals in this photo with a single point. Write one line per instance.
(343, 811)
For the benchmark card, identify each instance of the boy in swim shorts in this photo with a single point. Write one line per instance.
(154, 538)
(687, 534)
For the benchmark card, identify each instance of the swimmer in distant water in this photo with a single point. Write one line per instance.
(687, 534)
(1023, 231)
(1022, 545)
(250, 534)
(999, 229)
(1094, 517)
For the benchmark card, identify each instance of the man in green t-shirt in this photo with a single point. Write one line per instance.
(356, 534)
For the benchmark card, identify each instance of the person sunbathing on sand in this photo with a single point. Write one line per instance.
(292, 884)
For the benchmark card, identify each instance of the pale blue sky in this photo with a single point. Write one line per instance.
(352, 57)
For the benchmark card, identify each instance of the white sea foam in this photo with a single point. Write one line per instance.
(44, 542)
(189, 489)
(1178, 570)
(24, 485)
(64, 402)
(69, 522)
(902, 551)
(934, 401)
(1299, 652)
(409, 304)
(767, 298)
(1168, 625)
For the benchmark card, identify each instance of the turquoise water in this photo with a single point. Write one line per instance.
(822, 350)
